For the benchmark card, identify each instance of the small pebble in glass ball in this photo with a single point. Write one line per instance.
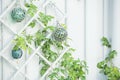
(16, 54)
(60, 34)
(18, 14)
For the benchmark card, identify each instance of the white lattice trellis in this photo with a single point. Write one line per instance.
(35, 51)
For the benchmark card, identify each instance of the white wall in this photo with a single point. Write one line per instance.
(87, 21)
(115, 30)
(94, 32)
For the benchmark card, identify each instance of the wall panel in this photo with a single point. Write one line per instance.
(94, 32)
(76, 28)
(1, 42)
(115, 31)
(87, 21)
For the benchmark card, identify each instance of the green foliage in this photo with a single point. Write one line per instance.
(106, 66)
(72, 69)
(45, 18)
(105, 42)
(32, 24)
(48, 53)
(75, 69)
(32, 9)
(20, 42)
(44, 67)
(39, 37)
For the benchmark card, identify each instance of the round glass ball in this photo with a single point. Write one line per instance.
(18, 14)
(60, 34)
(16, 54)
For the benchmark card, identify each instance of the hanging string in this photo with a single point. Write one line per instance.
(17, 3)
(58, 24)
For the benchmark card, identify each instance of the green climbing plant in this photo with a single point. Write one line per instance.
(72, 69)
(20, 43)
(106, 66)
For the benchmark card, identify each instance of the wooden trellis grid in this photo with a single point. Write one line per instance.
(19, 69)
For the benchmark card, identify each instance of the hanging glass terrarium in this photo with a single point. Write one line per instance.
(16, 54)
(18, 14)
(60, 34)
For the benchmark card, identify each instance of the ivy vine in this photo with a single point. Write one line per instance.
(72, 69)
(106, 66)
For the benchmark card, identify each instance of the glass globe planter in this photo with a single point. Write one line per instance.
(60, 34)
(18, 14)
(16, 54)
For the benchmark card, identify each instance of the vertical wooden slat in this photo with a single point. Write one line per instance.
(1, 45)
(107, 26)
(85, 30)
(75, 13)
(5, 75)
(94, 32)
(116, 30)
(107, 22)
(109, 17)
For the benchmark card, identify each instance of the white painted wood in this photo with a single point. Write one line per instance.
(8, 25)
(94, 32)
(106, 27)
(107, 22)
(88, 21)
(10, 49)
(116, 32)
(5, 65)
(53, 65)
(76, 28)
(33, 66)
(1, 45)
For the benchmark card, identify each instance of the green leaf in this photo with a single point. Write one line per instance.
(32, 24)
(106, 66)
(64, 25)
(32, 9)
(45, 18)
(105, 42)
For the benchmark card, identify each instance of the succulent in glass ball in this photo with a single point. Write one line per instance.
(60, 34)
(18, 14)
(16, 54)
